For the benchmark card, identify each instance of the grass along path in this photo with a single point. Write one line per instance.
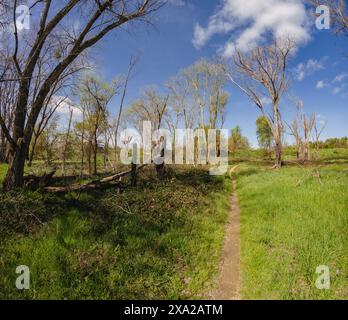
(293, 221)
(161, 240)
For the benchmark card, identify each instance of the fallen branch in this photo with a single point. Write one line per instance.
(33, 182)
(104, 183)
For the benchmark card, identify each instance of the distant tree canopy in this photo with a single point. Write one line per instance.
(264, 133)
(332, 143)
(237, 141)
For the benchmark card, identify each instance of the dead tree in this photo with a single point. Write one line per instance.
(301, 129)
(318, 131)
(131, 66)
(263, 78)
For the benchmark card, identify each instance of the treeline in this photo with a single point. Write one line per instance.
(48, 68)
(333, 143)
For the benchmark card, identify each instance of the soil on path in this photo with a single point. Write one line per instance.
(228, 282)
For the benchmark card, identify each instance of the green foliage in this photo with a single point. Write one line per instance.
(264, 133)
(237, 141)
(161, 240)
(292, 222)
(334, 143)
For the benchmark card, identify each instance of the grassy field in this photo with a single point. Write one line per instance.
(161, 240)
(293, 221)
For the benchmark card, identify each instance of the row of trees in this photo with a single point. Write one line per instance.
(38, 70)
(195, 98)
(96, 132)
(38, 62)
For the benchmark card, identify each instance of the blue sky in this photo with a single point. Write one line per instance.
(319, 68)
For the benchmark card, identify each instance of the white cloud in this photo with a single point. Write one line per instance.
(336, 86)
(340, 77)
(342, 88)
(337, 90)
(258, 19)
(266, 101)
(321, 84)
(305, 69)
(65, 105)
(179, 3)
(321, 120)
(64, 108)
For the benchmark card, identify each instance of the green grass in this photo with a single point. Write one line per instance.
(289, 154)
(292, 222)
(162, 240)
(3, 170)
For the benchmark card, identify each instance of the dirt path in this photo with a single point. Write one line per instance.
(228, 282)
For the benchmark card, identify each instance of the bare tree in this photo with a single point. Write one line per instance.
(97, 19)
(151, 107)
(95, 97)
(263, 76)
(319, 127)
(301, 128)
(206, 81)
(179, 88)
(8, 91)
(131, 66)
(48, 111)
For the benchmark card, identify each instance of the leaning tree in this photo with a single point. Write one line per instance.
(56, 21)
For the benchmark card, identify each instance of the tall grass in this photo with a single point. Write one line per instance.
(161, 240)
(293, 221)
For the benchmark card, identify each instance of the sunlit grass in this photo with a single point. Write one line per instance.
(293, 221)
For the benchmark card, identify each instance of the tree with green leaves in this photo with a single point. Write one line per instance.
(264, 134)
(237, 141)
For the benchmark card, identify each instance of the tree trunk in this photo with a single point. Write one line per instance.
(82, 145)
(134, 166)
(15, 174)
(2, 148)
(277, 137)
(307, 152)
(278, 155)
(131, 66)
(134, 175)
(67, 141)
(32, 152)
(160, 167)
(89, 156)
(95, 156)
(106, 151)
